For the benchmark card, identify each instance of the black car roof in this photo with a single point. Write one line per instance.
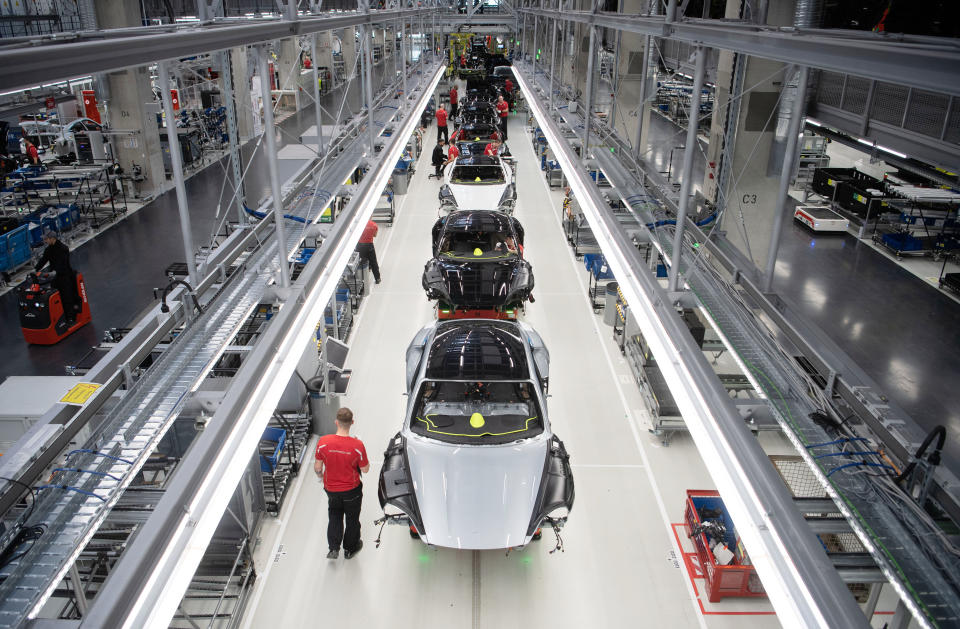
(477, 350)
(486, 221)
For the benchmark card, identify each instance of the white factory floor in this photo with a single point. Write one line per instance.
(623, 563)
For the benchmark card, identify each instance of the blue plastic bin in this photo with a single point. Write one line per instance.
(273, 435)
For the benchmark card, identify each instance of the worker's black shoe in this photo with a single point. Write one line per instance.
(333, 554)
(348, 554)
(377, 281)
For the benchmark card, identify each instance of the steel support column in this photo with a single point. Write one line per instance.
(316, 93)
(233, 134)
(588, 101)
(686, 174)
(270, 136)
(176, 165)
(786, 174)
(365, 50)
(553, 58)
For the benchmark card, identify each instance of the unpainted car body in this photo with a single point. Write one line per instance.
(476, 464)
(478, 181)
(478, 263)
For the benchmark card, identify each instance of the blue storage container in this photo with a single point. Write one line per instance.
(36, 234)
(18, 237)
(268, 462)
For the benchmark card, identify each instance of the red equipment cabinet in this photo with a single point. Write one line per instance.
(733, 579)
(42, 319)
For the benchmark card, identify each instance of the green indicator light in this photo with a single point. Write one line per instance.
(612, 149)
(696, 245)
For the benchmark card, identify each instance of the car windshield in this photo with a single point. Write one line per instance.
(479, 413)
(468, 173)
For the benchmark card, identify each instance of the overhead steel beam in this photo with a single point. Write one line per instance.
(927, 63)
(800, 580)
(46, 61)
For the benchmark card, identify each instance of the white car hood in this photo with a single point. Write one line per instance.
(486, 197)
(476, 497)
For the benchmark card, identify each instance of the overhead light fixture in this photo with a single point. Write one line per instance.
(174, 569)
(732, 457)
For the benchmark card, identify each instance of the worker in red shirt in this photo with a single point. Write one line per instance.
(33, 155)
(503, 109)
(340, 459)
(493, 148)
(452, 154)
(366, 249)
(442, 124)
(508, 86)
(454, 99)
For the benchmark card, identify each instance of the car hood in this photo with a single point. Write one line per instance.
(486, 282)
(478, 195)
(476, 497)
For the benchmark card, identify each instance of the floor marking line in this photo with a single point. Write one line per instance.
(476, 589)
(623, 399)
(250, 609)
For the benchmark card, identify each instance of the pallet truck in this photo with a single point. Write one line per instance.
(42, 318)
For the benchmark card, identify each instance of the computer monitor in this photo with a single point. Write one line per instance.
(336, 352)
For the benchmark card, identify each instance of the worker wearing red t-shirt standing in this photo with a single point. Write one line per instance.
(442, 124)
(454, 100)
(340, 459)
(503, 109)
(366, 249)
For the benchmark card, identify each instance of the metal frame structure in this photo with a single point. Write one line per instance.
(64, 423)
(802, 583)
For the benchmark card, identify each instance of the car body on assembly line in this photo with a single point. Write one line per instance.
(478, 181)
(478, 267)
(476, 464)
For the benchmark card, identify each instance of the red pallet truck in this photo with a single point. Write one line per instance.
(42, 318)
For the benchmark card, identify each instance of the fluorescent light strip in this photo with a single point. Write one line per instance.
(795, 604)
(159, 599)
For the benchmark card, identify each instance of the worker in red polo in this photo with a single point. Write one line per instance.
(452, 154)
(442, 124)
(33, 155)
(340, 459)
(503, 109)
(454, 100)
(492, 148)
(366, 249)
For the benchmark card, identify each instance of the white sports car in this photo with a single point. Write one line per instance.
(476, 465)
(478, 182)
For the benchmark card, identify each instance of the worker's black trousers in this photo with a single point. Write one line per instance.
(453, 110)
(68, 295)
(442, 132)
(503, 127)
(368, 253)
(344, 506)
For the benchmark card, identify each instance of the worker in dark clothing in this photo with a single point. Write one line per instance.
(366, 249)
(438, 159)
(340, 459)
(57, 255)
